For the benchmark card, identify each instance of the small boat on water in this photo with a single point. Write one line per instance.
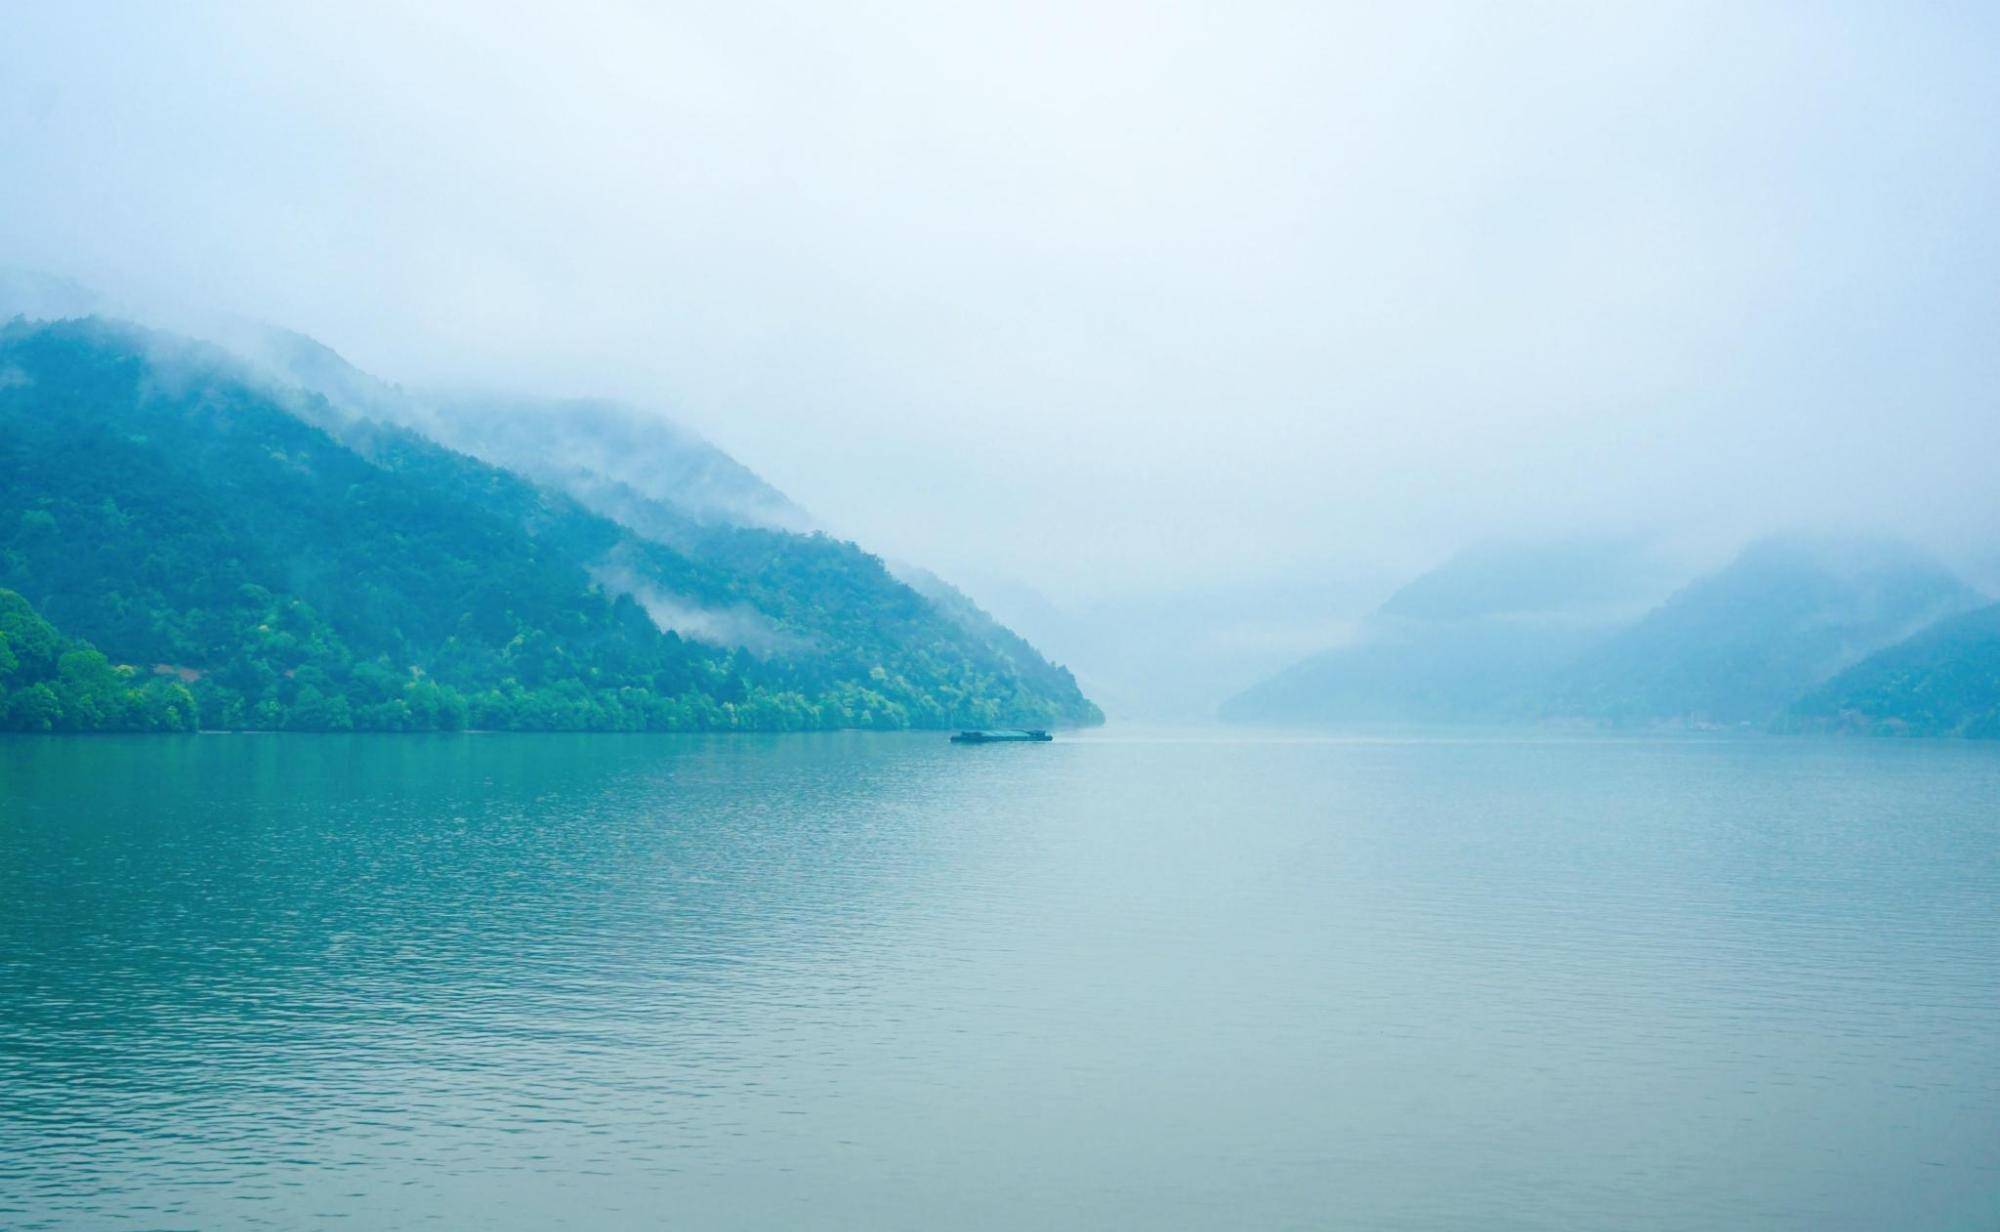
(1000, 735)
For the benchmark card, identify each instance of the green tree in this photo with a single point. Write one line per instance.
(33, 642)
(313, 710)
(167, 706)
(91, 690)
(33, 709)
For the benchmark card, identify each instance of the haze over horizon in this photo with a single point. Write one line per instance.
(1074, 616)
(1251, 312)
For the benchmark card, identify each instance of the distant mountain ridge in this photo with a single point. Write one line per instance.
(1473, 640)
(1524, 635)
(581, 445)
(1577, 578)
(303, 562)
(585, 446)
(1941, 681)
(1740, 644)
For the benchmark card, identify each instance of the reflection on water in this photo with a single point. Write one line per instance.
(881, 981)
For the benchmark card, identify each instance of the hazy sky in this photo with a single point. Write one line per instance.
(1114, 300)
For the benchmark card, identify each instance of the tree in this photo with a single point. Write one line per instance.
(92, 692)
(313, 710)
(33, 709)
(167, 706)
(314, 574)
(33, 642)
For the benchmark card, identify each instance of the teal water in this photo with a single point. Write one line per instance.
(877, 982)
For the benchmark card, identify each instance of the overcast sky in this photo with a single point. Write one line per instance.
(1113, 300)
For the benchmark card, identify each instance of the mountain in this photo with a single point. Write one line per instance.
(975, 623)
(1943, 681)
(1583, 578)
(582, 446)
(592, 446)
(1739, 645)
(594, 449)
(1563, 632)
(1411, 672)
(298, 562)
(1475, 639)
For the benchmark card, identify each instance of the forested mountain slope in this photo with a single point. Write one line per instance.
(1739, 645)
(1944, 681)
(300, 565)
(49, 682)
(582, 446)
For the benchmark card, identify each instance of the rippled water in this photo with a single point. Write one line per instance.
(885, 982)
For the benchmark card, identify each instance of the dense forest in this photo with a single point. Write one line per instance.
(286, 565)
(52, 683)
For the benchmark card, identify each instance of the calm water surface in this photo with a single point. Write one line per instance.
(881, 982)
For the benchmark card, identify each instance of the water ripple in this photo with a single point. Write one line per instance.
(881, 982)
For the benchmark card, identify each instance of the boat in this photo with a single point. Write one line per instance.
(989, 735)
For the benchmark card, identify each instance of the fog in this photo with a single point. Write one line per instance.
(1150, 325)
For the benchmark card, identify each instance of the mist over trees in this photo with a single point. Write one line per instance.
(289, 564)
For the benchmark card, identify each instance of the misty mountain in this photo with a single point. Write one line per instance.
(594, 449)
(1475, 639)
(1561, 632)
(1942, 681)
(1740, 644)
(1580, 579)
(298, 563)
(976, 623)
(597, 450)
(1408, 672)
(637, 468)
(39, 294)
(588, 446)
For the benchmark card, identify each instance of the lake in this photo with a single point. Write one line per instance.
(1127, 980)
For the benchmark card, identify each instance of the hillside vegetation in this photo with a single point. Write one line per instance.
(295, 565)
(1945, 681)
(52, 683)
